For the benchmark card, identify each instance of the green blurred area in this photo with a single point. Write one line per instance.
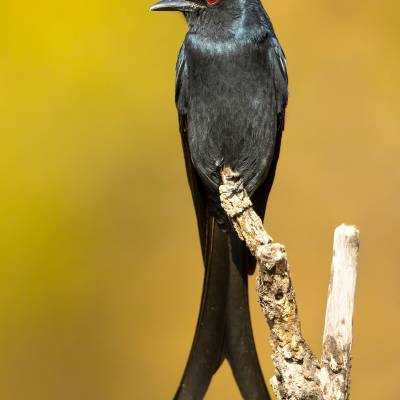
(100, 266)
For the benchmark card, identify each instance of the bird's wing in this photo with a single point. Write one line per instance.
(280, 74)
(280, 58)
(278, 63)
(204, 221)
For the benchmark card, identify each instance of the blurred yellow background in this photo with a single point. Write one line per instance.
(93, 304)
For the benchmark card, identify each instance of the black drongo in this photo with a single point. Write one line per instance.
(231, 95)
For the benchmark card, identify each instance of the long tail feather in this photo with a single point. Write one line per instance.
(207, 353)
(223, 327)
(239, 342)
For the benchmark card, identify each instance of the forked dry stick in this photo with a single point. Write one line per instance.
(298, 374)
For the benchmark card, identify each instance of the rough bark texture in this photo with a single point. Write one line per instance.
(298, 374)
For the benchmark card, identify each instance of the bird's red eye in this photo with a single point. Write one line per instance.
(212, 2)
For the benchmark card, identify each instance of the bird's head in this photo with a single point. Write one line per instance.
(218, 17)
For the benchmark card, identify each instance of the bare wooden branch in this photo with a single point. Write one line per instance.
(299, 375)
(336, 356)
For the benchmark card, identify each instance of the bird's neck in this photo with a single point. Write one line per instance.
(235, 19)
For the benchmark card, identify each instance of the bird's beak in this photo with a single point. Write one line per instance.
(176, 5)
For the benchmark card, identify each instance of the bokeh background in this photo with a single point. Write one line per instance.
(100, 266)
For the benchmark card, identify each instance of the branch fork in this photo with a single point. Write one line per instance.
(299, 375)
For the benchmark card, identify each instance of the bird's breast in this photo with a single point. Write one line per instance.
(231, 110)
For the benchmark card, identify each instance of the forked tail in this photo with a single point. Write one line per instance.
(224, 326)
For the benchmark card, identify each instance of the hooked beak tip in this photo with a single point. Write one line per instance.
(164, 5)
(176, 5)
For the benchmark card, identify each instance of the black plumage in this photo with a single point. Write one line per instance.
(231, 95)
